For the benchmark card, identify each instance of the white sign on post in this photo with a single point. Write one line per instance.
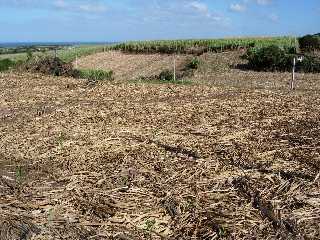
(295, 60)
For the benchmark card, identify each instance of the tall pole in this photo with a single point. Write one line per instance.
(293, 74)
(174, 68)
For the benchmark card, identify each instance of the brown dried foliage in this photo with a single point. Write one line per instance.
(129, 161)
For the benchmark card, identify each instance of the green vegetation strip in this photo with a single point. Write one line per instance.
(204, 45)
(95, 75)
(67, 54)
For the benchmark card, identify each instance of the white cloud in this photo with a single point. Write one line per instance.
(237, 7)
(200, 7)
(243, 5)
(264, 2)
(273, 17)
(203, 9)
(80, 6)
(93, 8)
(60, 4)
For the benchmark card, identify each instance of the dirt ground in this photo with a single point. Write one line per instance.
(132, 66)
(220, 69)
(156, 161)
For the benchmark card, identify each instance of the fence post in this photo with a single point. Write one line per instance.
(174, 68)
(293, 74)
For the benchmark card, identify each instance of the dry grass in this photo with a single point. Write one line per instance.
(129, 161)
(219, 69)
(132, 66)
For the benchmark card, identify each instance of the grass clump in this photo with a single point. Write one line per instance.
(166, 76)
(193, 64)
(6, 64)
(95, 75)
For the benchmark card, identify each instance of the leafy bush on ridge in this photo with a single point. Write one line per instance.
(274, 58)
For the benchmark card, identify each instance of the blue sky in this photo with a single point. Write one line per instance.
(119, 20)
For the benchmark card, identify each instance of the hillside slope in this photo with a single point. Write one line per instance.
(132, 66)
(220, 69)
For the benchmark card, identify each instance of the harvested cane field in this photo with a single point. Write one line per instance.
(132, 66)
(148, 161)
(220, 69)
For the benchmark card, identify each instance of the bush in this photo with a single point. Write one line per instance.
(309, 42)
(274, 58)
(95, 75)
(310, 64)
(29, 55)
(193, 64)
(271, 58)
(166, 76)
(6, 64)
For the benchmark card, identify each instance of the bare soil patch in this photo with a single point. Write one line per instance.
(141, 161)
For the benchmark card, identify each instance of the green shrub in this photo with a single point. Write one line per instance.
(6, 64)
(95, 75)
(309, 42)
(274, 58)
(310, 64)
(29, 55)
(271, 58)
(166, 76)
(193, 64)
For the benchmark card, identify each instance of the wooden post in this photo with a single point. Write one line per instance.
(55, 53)
(293, 74)
(174, 68)
(76, 61)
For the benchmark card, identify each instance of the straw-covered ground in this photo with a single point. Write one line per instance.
(220, 69)
(142, 161)
(131, 66)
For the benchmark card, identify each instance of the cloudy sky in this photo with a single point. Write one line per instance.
(119, 20)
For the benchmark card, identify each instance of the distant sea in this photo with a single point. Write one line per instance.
(26, 44)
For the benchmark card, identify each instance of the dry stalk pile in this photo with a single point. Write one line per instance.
(49, 66)
(145, 162)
